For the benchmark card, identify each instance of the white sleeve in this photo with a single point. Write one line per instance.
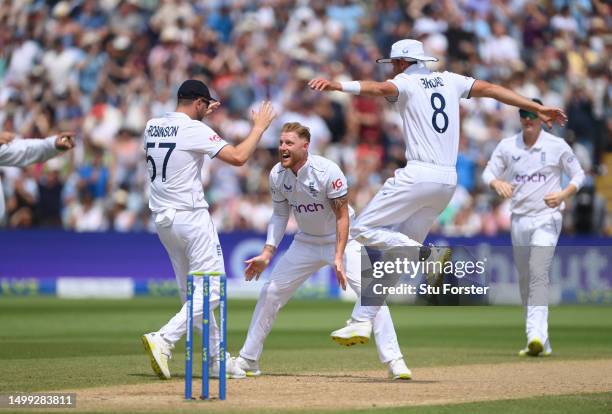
(462, 84)
(336, 182)
(22, 152)
(403, 88)
(571, 167)
(278, 222)
(280, 213)
(200, 138)
(495, 167)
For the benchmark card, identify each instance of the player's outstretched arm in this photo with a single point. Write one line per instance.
(548, 115)
(24, 152)
(368, 88)
(238, 155)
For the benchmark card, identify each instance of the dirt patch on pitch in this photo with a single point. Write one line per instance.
(312, 391)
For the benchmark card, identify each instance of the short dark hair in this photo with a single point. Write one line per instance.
(185, 101)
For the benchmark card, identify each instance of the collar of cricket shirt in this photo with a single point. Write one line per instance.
(304, 168)
(417, 68)
(174, 114)
(536, 146)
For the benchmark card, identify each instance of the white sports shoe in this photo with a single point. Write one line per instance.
(353, 333)
(441, 255)
(399, 370)
(159, 352)
(232, 370)
(249, 366)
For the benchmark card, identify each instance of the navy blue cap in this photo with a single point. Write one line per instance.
(194, 89)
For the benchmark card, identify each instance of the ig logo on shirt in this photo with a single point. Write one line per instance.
(337, 184)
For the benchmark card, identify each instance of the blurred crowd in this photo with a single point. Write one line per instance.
(102, 68)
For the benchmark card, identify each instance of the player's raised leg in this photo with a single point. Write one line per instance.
(414, 227)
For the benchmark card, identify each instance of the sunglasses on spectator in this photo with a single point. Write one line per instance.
(527, 114)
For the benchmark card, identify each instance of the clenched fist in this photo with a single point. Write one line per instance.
(65, 141)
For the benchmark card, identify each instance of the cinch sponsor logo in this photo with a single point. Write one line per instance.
(533, 178)
(308, 208)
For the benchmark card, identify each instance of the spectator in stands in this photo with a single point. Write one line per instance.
(102, 67)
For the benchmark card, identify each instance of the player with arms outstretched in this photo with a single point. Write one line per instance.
(404, 209)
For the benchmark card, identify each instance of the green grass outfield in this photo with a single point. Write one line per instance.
(48, 344)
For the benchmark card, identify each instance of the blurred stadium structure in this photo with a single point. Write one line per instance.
(102, 68)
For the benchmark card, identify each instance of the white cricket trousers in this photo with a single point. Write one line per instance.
(403, 211)
(193, 245)
(298, 263)
(533, 245)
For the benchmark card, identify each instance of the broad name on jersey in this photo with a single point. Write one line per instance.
(163, 132)
(432, 83)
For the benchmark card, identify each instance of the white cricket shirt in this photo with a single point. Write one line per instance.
(309, 195)
(428, 104)
(175, 147)
(533, 172)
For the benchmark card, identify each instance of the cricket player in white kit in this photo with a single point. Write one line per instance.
(315, 189)
(527, 168)
(404, 209)
(176, 146)
(23, 152)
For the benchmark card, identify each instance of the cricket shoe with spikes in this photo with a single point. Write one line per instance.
(535, 348)
(436, 259)
(398, 370)
(249, 366)
(353, 333)
(159, 352)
